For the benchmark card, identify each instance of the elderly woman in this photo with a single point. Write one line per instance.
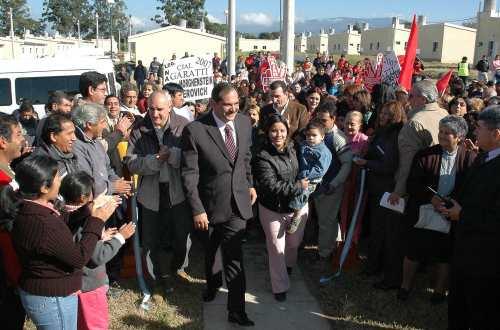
(442, 168)
(275, 169)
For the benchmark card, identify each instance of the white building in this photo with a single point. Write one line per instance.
(318, 43)
(347, 42)
(255, 45)
(488, 31)
(300, 45)
(34, 47)
(445, 42)
(174, 40)
(395, 37)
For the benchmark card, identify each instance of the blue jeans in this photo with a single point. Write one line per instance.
(51, 313)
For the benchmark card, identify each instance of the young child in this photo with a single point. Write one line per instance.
(352, 128)
(314, 160)
(76, 190)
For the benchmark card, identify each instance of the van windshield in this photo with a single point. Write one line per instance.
(37, 89)
(5, 92)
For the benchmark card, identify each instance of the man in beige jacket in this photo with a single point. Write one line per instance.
(421, 131)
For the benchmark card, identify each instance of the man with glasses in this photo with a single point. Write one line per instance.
(421, 131)
(93, 87)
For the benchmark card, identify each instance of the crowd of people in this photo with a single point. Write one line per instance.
(284, 156)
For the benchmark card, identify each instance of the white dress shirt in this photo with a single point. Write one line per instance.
(184, 112)
(222, 126)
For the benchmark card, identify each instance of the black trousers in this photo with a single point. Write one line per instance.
(228, 237)
(12, 313)
(473, 302)
(387, 232)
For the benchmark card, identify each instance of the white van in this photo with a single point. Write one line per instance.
(35, 79)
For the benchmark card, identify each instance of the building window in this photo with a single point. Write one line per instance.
(435, 46)
(490, 48)
(264, 47)
(371, 46)
(358, 47)
(378, 45)
(398, 42)
(255, 47)
(351, 45)
(480, 44)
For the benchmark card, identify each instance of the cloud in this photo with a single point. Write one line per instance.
(213, 19)
(137, 22)
(261, 19)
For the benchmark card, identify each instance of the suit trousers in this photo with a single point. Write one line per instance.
(327, 209)
(282, 248)
(228, 236)
(164, 231)
(473, 302)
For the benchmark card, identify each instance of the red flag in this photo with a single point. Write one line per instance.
(443, 83)
(411, 54)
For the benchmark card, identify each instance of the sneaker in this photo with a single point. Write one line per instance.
(294, 225)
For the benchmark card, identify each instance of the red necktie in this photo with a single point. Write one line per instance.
(230, 145)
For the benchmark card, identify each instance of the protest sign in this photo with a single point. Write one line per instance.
(194, 74)
(373, 72)
(390, 69)
(271, 71)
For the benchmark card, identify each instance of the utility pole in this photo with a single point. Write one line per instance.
(96, 30)
(79, 36)
(12, 33)
(119, 42)
(110, 3)
(231, 60)
(289, 28)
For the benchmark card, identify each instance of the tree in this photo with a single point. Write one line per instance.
(120, 18)
(269, 35)
(175, 10)
(21, 18)
(215, 28)
(63, 15)
(472, 24)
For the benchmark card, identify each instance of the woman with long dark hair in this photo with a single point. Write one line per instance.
(51, 262)
(275, 169)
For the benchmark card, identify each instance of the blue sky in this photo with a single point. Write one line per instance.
(264, 12)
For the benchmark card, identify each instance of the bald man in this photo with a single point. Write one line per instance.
(154, 154)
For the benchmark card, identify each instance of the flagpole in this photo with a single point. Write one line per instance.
(96, 30)
(12, 32)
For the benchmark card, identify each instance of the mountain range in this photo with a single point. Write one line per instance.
(315, 25)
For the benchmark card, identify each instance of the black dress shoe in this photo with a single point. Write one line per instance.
(384, 286)
(280, 296)
(403, 294)
(209, 294)
(240, 318)
(289, 270)
(438, 298)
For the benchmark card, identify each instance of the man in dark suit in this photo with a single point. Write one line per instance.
(217, 178)
(475, 266)
(295, 113)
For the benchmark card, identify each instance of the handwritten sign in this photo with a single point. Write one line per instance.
(194, 74)
(390, 69)
(271, 71)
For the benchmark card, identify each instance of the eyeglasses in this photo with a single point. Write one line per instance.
(102, 89)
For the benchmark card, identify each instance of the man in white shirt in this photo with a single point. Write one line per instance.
(129, 94)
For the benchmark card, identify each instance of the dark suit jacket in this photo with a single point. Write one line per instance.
(296, 114)
(476, 249)
(212, 182)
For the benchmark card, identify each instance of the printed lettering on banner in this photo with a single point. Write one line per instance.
(373, 72)
(272, 71)
(194, 74)
(390, 69)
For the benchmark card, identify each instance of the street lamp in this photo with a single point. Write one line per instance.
(226, 14)
(110, 3)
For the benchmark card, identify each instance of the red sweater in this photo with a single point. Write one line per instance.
(51, 261)
(8, 254)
